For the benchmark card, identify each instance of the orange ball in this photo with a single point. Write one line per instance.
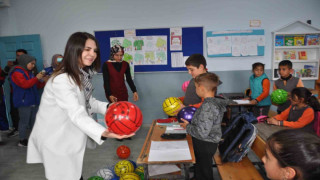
(123, 152)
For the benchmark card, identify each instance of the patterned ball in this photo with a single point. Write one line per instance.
(105, 173)
(95, 178)
(123, 118)
(279, 96)
(133, 163)
(130, 176)
(170, 105)
(186, 113)
(185, 85)
(123, 152)
(139, 169)
(122, 167)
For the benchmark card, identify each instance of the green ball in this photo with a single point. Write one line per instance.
(95, 178)
(279, 96)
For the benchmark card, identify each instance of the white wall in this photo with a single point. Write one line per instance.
(56, 20)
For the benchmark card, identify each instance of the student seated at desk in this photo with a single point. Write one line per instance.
(301, 112)
(292, 154)
(205, 127)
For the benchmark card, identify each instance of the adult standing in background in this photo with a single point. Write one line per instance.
(114, 71)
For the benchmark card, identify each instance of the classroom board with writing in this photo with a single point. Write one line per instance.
(235, 43)
(151, 50)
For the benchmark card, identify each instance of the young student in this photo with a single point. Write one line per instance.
(286, 82)
(25, 95)
(56, 60)
(301, 112)
(292, 154)
(205, 127)
(114, 71)
(260, 87)
(64, 124)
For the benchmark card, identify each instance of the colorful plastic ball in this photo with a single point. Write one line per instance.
(186, 113)
(123, 152)
(170, 105)
(133, 163)
(139, 169)
(123, 167)
(185, 85)
(123, 118)
(130, 176)
(105, 173)
(95, 178)
(279, 96)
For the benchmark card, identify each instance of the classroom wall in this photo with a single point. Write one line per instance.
(56, 20)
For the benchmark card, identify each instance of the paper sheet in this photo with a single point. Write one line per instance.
(162, 169)
(242, 101)
(169, 151)
(177, 59)
(175, 130)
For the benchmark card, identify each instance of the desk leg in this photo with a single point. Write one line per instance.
(185, 171)
(146, 173)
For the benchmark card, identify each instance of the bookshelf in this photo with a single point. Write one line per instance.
(299, 43)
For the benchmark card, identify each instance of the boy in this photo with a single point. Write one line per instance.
(196, 65)
(286, 82)
(205, 127)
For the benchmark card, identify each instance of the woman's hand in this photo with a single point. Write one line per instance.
(135, 96)
(253, 102)
(184, 123)
(109, 134)
(272, 121)
(113, 99)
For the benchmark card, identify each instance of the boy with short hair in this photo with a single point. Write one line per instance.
(205, 127)
(286, 82)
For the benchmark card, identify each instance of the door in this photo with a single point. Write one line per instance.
(8, 47)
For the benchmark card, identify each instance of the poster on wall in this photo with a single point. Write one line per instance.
(176, 39)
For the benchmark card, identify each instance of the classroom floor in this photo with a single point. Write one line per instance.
(13, 164)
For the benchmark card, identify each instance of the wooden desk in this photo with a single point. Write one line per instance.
(154, 134)
(264, 131)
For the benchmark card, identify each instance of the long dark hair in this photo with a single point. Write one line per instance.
(302, 92)
(297, 149)
(72, 55)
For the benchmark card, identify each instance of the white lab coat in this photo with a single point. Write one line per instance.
(59, 136)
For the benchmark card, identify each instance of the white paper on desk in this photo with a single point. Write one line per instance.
(242, 101)
(162, 169)
(175, 130)
(169, 151)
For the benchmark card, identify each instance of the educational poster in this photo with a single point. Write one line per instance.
(143, 50)
(235, 43)
(177, 59)
(175, 39)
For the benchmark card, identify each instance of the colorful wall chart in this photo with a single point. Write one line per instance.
(235, 43)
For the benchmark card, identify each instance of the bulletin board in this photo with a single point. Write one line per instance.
(235, 43)
(192, 42)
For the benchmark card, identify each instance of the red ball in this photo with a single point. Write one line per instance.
(123, 118)
(123, 152)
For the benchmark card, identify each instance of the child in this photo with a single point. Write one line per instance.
(292, 154)
(64, 124)
(25, 94)
(205, 127)
(260, 86)
(300, 113)
(286, 82)
(113, 77)
(56, 60)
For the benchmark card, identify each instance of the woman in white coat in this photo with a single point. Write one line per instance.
(64, 124)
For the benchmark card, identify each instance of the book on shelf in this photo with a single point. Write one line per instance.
(312, 39)
(302, 55)
(290, 55)
(279, 41)
(298, 40)
(289, 40)
(310, 71)
(278, 55)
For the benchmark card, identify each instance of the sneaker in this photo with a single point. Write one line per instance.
(23, 143)
(13, 133)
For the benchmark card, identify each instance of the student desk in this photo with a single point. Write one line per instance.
(154, 134)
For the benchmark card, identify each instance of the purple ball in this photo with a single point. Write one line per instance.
(186, 113)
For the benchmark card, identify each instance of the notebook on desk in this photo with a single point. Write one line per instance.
(233, 95)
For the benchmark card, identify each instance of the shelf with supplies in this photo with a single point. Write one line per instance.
(299, 43)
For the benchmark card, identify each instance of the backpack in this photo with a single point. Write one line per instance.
(238, 138)
(316, 123)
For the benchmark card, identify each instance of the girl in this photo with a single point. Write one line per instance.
(301, 112)
(292, 154)
(260, 86)
(64, 124)
(25, 95)
(56, 60)
(113, 77)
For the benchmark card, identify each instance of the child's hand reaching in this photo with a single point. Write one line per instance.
(181, 106)
(272, 121)
(254, 102)
(184, 123)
